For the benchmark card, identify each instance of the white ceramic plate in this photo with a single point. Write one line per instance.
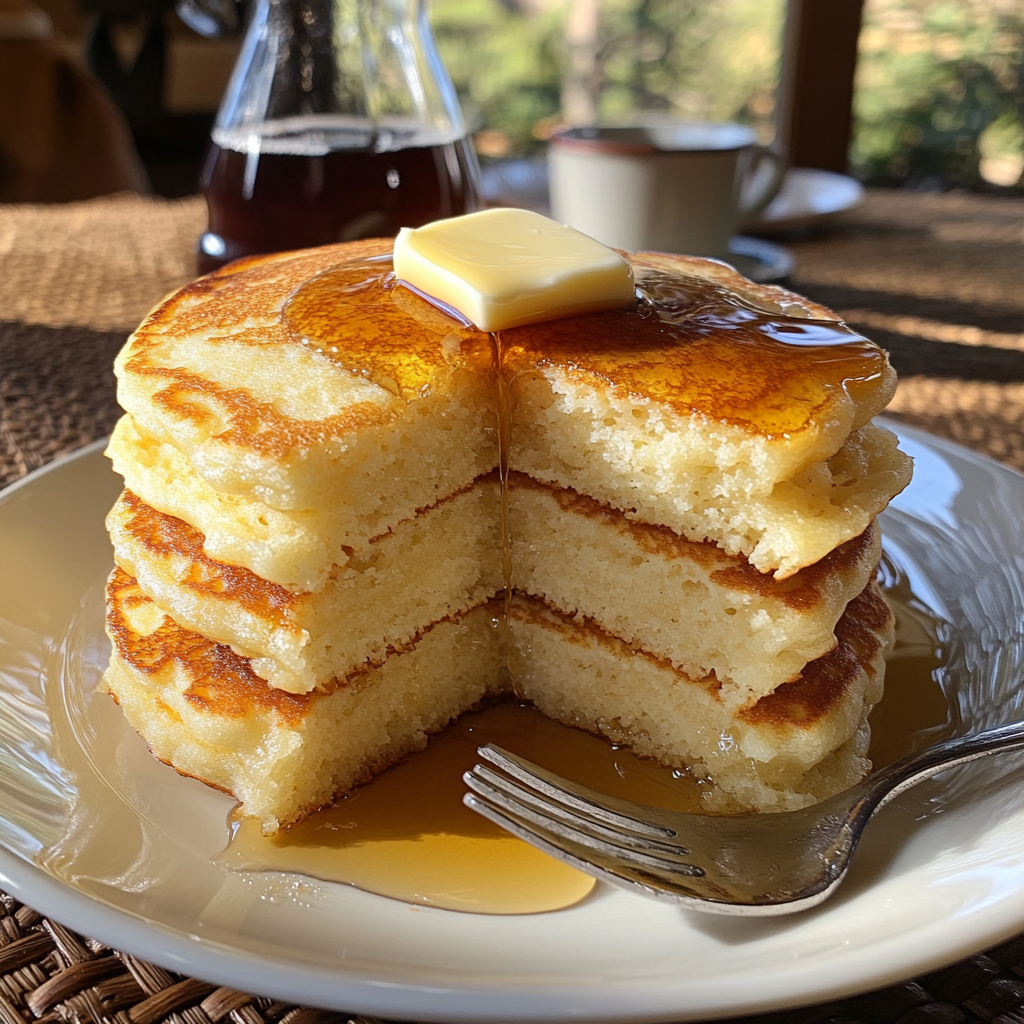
(100, 836)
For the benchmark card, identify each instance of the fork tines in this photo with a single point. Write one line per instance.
(570, 821)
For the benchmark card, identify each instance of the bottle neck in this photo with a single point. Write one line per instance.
(369, 68)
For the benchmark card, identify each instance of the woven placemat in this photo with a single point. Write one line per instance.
(936, 279)
(100, 264)
(50, 974)
(57, 392)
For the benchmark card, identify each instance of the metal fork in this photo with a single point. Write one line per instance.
(760, 864)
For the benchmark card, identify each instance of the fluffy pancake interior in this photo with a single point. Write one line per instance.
(759, 759)
(202, 708)
(690, 603)
(439, 563)
(624, 453)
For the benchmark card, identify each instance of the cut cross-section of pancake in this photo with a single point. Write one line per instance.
(687, 602)
(313, 383)
(802, 743)
(701, 411)
(203, 710)
(440, 563)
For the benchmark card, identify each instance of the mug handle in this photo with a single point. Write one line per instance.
(759, 190)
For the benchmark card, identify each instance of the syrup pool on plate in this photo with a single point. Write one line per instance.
(407, 834)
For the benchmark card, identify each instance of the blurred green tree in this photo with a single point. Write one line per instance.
(940, 85)
(940, 94)
(510, 60)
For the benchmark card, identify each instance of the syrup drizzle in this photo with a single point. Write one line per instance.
(688, 343)
(407, 834)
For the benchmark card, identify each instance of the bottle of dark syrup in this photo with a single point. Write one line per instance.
(339, 123)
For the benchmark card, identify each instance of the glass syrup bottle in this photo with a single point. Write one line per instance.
(339, 123)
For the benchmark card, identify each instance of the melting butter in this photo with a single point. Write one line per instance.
(504, 268)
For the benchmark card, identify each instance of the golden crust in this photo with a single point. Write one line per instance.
(220, 682)
(163, 535)
(394, 338)
(862, 634)
(261, 301)
(704, 352)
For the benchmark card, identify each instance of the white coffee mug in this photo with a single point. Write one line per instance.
(672, 186)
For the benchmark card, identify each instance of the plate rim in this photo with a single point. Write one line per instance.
(253, 972)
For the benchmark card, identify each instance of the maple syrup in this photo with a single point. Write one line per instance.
(914, 711)
(266, 202)
(356, 315)
(695, 347)
(687, 343)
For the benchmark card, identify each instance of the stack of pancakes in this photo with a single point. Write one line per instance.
(311, 575)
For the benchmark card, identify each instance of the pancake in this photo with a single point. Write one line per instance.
(763, 758)
(400, 420)
(437, 564)
(203, 710)
(698, 417)
(688, 603)
(310, 543)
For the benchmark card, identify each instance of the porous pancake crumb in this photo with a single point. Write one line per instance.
(760, 759)
(203, 710)
(438, 564)
(689, 603)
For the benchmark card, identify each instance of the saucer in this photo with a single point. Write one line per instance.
(761, 261)
(808, 198)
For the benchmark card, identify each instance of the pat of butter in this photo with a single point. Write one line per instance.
(504, 268)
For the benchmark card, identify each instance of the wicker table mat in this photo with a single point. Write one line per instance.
(938, 280)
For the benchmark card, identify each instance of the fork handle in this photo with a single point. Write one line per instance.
(909, 771)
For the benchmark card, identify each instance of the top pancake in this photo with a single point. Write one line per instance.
(309, 381)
